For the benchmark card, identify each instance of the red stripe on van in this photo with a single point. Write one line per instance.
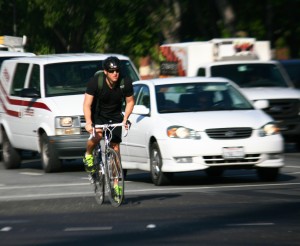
(20, 103)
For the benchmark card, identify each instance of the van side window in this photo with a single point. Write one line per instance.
(19, 78)
(34, 80)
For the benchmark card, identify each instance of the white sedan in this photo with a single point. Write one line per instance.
(189, 124)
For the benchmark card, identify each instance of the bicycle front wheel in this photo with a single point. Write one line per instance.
(99, 187)
(114, 177)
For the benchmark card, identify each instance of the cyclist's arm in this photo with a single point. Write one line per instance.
(128, 108)
(87, 111)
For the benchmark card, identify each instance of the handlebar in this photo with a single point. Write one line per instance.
(106, 126)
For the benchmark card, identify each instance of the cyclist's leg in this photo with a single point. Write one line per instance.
(88, 159)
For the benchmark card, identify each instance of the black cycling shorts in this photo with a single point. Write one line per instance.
(117, 132)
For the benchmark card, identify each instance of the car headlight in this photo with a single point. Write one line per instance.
(182, 132)
(269, 129)
(67, 125)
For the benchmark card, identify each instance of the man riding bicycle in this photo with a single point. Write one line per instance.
(104, 106)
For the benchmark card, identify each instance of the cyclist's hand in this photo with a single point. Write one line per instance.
(127, 124)
(89, 128)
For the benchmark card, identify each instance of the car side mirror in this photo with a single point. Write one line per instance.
(141, 110)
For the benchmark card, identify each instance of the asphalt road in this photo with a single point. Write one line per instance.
(237, 209)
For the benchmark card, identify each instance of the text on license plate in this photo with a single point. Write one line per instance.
(233, 152)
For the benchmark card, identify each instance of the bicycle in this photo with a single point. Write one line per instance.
(109, 170)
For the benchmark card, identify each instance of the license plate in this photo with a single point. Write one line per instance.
(233, 153)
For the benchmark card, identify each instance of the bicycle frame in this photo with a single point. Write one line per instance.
(111, 173)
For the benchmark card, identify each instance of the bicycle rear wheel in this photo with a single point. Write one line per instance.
(114, 177)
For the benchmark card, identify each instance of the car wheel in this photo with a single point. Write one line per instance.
(50, 161)
(268, 174)
(11, 157)
(158, 177)
(214, 172)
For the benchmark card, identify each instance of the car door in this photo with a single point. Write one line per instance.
(28, 77)
(18, 83)
(137, 140)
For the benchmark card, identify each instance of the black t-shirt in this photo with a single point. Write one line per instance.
(110, 104)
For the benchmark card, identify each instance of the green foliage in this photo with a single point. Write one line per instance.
(136, 28)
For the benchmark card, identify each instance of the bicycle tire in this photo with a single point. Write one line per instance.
(99, 184)
(99, 180)
(114, 172)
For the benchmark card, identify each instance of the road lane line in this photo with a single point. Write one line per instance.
(293, 166)
(101, 228)
(53, 195)
(5, 229)
(42, 186)
(31, 173)
(251, 224)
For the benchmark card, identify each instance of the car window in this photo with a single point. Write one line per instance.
(34, 79)
(191, 97)
(19, 78)
(144, 96)
(70, 78)
(251, 75)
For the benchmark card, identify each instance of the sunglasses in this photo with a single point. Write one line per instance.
(113, 70)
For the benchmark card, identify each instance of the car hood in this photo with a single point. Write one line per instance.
(271, 93)
(66, 105)
(218, 119)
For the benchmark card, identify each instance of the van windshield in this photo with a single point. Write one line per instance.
(70, 78)
(251, 75)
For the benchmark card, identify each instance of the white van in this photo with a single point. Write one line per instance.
(41, 105)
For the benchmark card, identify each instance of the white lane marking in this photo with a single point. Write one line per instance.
(293, 166)
(72, 194)
(7, 228)
(102, 228)
(294, 173)
(42, 186)
(251, 224)
(53, 195)
(31, 173)
(151, 226)
(211, 187)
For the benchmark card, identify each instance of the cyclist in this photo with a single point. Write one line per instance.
(104, 106)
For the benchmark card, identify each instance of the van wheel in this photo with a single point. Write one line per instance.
(268, 174)
(50, 161)
(10, 156)
(158, 177)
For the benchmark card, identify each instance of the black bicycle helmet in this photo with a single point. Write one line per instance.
(111, 63)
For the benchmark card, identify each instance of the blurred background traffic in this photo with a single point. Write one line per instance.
(138, 28)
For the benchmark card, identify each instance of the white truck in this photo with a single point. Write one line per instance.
(249, 64)
(12, 43)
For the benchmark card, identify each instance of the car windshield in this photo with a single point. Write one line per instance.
(192, 97)
(293, 70)
(70, 78)
(251, 75)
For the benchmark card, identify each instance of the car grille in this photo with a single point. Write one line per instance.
(82, 123)
(229, 133)
(218, 160)
(283, 108)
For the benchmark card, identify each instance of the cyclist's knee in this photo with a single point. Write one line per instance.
(115, 146)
